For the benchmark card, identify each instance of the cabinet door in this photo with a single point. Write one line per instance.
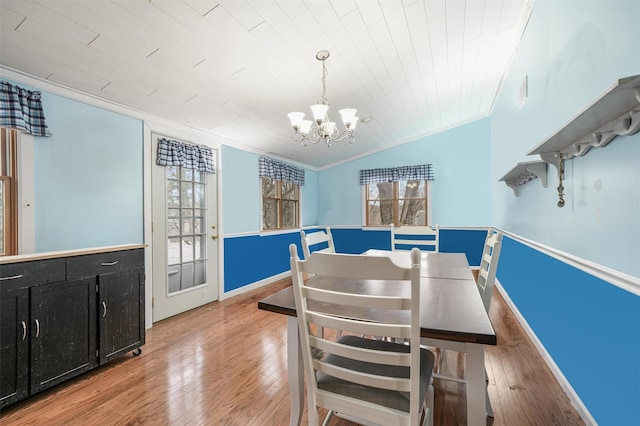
(14, 345)
(121, 313)
(63, 331)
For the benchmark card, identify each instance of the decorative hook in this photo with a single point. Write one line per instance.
(560, 177)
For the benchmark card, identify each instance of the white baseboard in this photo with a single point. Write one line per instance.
(256, 285)
(555, 370)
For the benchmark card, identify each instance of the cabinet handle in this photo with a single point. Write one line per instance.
(24, 330)
(115, 262)
(104, 309)
(15, 277)
(37, 328)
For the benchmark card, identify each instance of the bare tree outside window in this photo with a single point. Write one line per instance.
(280, 204)
(400, 203)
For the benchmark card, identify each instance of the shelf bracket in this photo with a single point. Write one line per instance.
(523, 173)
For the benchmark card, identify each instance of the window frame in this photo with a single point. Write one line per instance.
(9, 177)
(396, 199)
(280, 201)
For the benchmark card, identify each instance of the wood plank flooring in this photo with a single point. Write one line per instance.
(225, 364)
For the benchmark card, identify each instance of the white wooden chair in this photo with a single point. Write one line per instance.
(364, 380)
(425, 238)
(319, 237)
(485, 283)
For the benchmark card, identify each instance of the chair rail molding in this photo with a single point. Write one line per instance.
(523, 173)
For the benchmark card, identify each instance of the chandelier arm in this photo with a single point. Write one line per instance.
(345, 134)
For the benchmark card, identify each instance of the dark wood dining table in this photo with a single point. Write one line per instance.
(451, 310)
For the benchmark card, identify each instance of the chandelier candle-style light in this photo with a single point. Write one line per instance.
(321, 128)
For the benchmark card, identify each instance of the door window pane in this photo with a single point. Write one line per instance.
(186, 228)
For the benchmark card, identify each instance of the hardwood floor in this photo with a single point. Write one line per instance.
(225, 364)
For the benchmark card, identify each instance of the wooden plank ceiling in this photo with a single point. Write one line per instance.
(235, 68)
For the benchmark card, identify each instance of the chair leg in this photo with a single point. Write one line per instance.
(430, 406)
(328, 418)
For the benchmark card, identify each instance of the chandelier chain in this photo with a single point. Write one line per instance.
(324, 100)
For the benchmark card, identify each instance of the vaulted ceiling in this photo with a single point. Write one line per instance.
(235, 68)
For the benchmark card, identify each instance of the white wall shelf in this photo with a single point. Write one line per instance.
(614, 113)
(523, 173)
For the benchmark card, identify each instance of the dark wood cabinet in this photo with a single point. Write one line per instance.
(121, 317)
(62, 317)
(63, 332)
(14, 345)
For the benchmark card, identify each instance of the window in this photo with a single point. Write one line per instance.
(280, 204)
(186, 228)
(403, 202)
(8, 192)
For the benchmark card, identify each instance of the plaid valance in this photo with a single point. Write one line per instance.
(280, 171)
(21, 109)
(394, 174)
(174, 153)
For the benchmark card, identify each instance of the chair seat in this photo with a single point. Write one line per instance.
(389, 398)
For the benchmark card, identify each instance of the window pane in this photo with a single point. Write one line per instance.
(187, 249)
(270, 213)
(289, 191)
(380, 190)
(198, 176)
(198, 195)
(201, 275)
(187, 276)
(173, 227)
(374, 213)
(198, 225)
(411, 189)
(200, 249)
(173, 213)
(411, 212)
(187, 225)
(269, 188)
(174, 279)
(173, 194)
(289, 214)
(386, 212)
(186, 194)
(173, 255)
(173, 172)
(187, 174)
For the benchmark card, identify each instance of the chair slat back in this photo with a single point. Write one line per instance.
(489, 266)
(315, 238)
(425, 238)
(344, 308)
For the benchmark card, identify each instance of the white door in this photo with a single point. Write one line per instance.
(185, 238)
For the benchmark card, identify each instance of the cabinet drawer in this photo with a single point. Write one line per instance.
(103, 263)
(28, 274)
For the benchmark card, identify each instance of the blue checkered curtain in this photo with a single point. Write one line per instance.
(174, 153)
(21, 109)
(280, 171)
(394, 174)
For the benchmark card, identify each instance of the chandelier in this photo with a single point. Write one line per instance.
(321, 128)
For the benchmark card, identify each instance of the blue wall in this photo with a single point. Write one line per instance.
(590, 328)
(460, 195)
(571, 52)
(88, 177)
(274, 250)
